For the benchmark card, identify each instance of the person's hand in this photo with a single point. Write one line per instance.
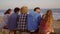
(52, 30)
(48, 32)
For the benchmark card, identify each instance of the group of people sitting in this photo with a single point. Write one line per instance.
(22, 21)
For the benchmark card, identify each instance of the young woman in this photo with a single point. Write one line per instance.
(12, 21)
(22, 20)
(6, 15)
(46, 22)
(5, 20)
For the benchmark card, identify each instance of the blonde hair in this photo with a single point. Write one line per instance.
(24, 9)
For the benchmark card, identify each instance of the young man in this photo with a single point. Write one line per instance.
(12, 21)
(33, 20)
(22, 20)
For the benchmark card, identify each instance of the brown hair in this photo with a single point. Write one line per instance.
(49, 12)
(49, 17)
(16, 9)
(7, 12)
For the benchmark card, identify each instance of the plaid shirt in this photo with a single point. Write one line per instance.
(22, 22)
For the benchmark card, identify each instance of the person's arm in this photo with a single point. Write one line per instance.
(39, 20)
(18, 18)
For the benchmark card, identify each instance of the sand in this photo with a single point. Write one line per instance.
(1, 19)
(55, 25)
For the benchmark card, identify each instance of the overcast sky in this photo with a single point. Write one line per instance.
(5, 4)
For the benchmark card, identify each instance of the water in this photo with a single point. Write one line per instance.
(56, 13)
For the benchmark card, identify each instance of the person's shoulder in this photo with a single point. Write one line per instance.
(12, 14)
(33, 13)
(29, 15)
(19, 15)
(7, 15)
(44, 15)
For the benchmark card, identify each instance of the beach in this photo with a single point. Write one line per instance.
(31, 5)
(55, 25)
(1, 19)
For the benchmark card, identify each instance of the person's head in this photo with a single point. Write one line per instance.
(8, 11)
(24, 9)
(37, 9)
(49, 16)
(16, 10)
(49, 12)
(43, 16)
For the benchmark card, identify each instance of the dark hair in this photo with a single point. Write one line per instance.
(7, 12)
(36, 8)
(16, 9)
(49, 11)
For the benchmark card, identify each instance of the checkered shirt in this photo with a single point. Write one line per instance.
(22, 22)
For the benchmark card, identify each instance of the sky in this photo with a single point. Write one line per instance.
(5, 4)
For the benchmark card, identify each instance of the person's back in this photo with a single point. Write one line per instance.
(12, 22)
(22, 20)
(33, 21)
(5, 21)
(5, 17)
(45, 24)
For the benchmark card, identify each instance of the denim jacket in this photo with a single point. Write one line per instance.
(33, 20)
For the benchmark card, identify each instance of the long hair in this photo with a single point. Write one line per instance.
(49, 17)
(49, 13)
(7, 12)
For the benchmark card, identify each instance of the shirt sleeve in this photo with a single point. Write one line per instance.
(18, 18)
(39, 19)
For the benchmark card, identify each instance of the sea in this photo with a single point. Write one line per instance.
(56, 15)
(56, 12)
